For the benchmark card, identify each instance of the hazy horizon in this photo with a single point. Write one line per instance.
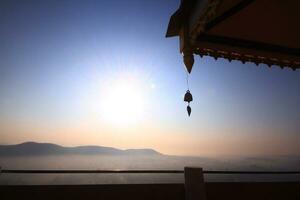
(52, 159)
(166, 154)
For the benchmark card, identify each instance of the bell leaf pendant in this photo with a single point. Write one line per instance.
(189, 109)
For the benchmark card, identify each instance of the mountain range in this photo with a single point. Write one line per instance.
(34, 148)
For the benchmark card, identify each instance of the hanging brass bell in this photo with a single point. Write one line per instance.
(188, 96)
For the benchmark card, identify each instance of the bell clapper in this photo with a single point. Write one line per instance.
(189, 109)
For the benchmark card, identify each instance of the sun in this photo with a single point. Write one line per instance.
(123, 102)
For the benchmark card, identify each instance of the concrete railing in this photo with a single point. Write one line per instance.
(193, 188)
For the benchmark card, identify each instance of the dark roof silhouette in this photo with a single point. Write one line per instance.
(250, 31)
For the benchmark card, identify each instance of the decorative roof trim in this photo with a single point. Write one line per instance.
(246, 58)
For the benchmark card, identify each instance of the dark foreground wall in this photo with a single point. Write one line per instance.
(215, 191)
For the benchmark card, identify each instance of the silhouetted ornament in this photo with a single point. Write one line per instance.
(189, 110)
(188, 59)
(188, 96)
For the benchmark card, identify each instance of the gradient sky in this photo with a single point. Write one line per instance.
(57, 56)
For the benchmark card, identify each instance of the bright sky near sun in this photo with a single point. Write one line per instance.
(95, 72)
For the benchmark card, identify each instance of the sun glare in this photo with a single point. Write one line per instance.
(123, 102)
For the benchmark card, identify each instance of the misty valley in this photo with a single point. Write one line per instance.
(39, 156)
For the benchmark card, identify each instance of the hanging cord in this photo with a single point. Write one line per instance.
(187, 84)
(187, 81)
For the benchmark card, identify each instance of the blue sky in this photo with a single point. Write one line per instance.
(54, 55)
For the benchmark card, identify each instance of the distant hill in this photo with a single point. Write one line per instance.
(34, 148)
